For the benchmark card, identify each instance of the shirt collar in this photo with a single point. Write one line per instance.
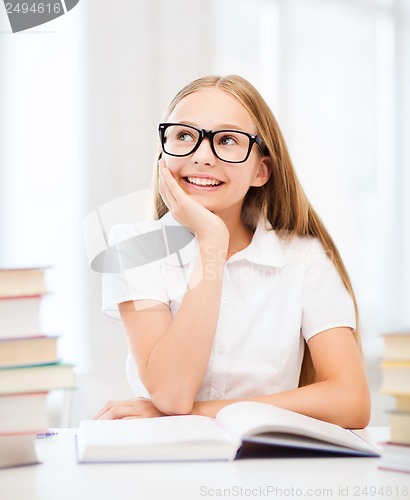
(265, 249)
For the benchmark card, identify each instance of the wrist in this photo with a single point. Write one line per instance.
(213, 252)
(215, 232)
(216, 240)
(209, 408)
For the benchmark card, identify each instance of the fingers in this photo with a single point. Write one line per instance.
(110, 405)
(164, 189)
(120, 412)
(132, 408)
(170, 190)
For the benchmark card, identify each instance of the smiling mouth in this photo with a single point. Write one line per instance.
(203, 181)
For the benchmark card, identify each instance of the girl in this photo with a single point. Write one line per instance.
(266, 288)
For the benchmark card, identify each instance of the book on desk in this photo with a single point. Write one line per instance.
(194, 437)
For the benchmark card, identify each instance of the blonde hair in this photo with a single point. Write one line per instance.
(281, 200)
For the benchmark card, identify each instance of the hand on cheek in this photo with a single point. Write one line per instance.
(185, 209)
(164, 188)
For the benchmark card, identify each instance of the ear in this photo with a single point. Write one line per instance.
(263, 173)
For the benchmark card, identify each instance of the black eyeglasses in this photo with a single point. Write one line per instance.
(232, 146)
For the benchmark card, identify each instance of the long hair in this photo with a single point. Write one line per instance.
(281, 200)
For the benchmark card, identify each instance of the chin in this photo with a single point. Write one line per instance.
(204, 202)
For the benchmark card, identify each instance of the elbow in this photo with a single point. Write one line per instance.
(362, 406)
(358, 419)
(170, 398)
(361, 417)
(357, 410)
(172, 404)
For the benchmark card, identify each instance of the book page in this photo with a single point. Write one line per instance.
(246, 419)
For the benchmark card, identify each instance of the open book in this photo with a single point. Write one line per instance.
(192, 437)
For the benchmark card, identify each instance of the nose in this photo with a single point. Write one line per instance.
(204, 154)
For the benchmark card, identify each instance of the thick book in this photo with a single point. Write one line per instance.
(396, 457)
(22, 351)
(399, 422)
(397, 345)
(20, 282)
(403, 402)
(23, 413)
(193, 437)
(396, 377)
(20, 316)
(36, 378)
(17, 450)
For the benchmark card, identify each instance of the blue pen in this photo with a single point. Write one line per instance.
(43, 435)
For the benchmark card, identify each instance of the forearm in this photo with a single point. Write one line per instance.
(347, 405)
(178, 362)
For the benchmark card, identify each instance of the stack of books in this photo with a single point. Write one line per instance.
(396, 382)
(29, 365)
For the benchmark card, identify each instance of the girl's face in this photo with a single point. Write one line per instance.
(214, 109)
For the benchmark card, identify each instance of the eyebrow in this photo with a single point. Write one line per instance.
(222, 126)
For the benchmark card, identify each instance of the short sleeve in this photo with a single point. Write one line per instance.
(326, 301)
(142, 282)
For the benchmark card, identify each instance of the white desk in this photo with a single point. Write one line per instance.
(59, 477)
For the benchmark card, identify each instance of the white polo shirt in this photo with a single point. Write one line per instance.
(276, 293)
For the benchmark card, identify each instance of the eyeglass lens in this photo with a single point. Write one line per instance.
(181, 140)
